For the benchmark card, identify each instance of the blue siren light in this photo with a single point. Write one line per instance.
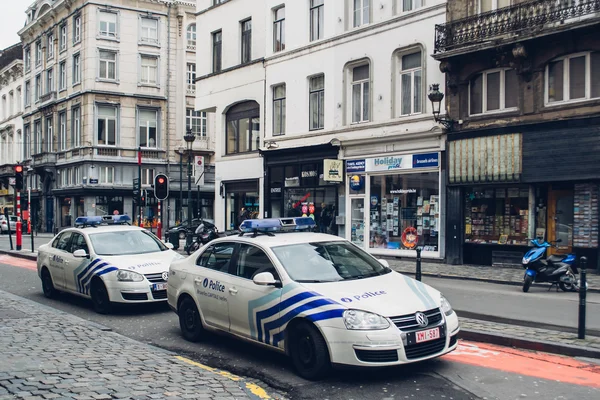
(121, 219)
(276, 224)
(89, 221)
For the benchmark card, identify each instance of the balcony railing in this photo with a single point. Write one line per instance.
(47, 98)
(514, 20)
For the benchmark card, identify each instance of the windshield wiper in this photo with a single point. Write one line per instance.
(313, 281)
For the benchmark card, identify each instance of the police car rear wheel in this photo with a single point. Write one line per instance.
(48, 285)
(190, 321)
(100, 298)
(309, 352)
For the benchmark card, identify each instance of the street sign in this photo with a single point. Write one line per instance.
(12, 181)
(136, 187)
(199, 170)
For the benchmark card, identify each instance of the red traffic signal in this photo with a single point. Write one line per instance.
(19, 169)
(161, 187)
(18, 177)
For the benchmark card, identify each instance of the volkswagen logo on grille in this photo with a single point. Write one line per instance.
(165, 276)
(422, 319)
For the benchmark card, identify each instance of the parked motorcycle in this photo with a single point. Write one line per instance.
(557, 269)
(202, 236)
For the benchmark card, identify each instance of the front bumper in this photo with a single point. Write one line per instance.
(134, 292)
(387, 347)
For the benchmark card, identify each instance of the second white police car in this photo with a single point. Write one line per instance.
(316, 297)
(114, 263)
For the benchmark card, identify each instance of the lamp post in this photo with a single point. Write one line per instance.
(436, 97)
(181, 151)
(189, 141)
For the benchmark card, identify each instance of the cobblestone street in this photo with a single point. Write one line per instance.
(48, 354)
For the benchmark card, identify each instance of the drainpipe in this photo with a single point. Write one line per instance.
(168, 133)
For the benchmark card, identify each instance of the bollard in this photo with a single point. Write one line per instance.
(9, 231)
(418, 273)
(582, 296)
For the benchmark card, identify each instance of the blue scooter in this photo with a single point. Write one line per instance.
(557, 269)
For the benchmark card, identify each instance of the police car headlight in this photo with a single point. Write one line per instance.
(356, 319)
(445, 306)
(124, 275)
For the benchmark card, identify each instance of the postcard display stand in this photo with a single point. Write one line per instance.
(585, 229)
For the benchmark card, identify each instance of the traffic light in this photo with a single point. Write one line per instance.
(143, 198)
(161, 186)
(18, 177)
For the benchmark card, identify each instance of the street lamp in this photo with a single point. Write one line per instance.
(189, 141)
(436, 97)
(181, 151)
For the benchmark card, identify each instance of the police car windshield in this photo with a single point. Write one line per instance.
(327, 262)
(120, 243)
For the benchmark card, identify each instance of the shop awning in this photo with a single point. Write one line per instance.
(485, 159)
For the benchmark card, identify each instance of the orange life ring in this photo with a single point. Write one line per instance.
(410, 237)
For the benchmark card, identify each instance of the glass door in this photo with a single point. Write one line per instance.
(560, 220)
(357, 215)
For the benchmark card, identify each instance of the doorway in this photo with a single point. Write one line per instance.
(560, 220)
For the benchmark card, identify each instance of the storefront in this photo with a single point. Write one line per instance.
(304, 182)
(394, 204)
(242, 201)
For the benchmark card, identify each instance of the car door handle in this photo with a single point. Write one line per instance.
(198, 281)
(232, 291)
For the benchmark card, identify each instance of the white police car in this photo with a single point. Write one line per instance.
(316, 297)
(117, 263)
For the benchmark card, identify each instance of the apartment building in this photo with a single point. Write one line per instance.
(11, 123)
(321, 110)
(102, 80)
(523, 98)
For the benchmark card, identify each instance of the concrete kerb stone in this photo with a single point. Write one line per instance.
(16, 253)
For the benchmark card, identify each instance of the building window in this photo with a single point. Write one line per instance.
(573, 78)
(360, 93)
(62, 78)
(279, 110)
(108, 65)
(107, 24)
(411, 84)
(49, 135)
(316, 102)
(246, 41)
(76, 127)
(191, 78)
(77, 29)
(38, 87)
(38, 53)
(62, 130)
(361, 12)
(149, 66)
(490, 5)
(316, 19)
(107, 175)
(28, 58)
(243, 128)
(196, 121)
(27, 93)
(76, 69)
(18, 102)
(37, 137)
(106, 125)
(493, 91)
(27, 142)
(148, 126)
(49, 80)
(279, 30)
(63, 37)
(147, 176)
(11, 103)
(191, 36)
(410, 5)
(50, 52)
(217, 38)
(149, 30)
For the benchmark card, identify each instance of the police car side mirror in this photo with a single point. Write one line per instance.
(80, 253)
(266, 279)
(169, 245)
(384, 263)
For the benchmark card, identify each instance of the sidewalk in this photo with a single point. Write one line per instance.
(50, 354)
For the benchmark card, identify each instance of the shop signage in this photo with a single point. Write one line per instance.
(276, 190)
(332, 170)
(426, 160)
(355, 166)
(403, 191)
(93, 181)
(357, 182)
(389, 163)
(309, 174)
(292, 182)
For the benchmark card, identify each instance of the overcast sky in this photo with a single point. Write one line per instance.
(12, 19)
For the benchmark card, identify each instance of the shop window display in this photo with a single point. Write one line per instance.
(405, 212)
(497, 215)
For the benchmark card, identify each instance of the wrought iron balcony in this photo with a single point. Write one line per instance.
(517, 21)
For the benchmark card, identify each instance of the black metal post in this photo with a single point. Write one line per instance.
(188, 241)
(180, 214)
(418, 273)
(140, 194)
(8, 224)
(582, 296)
(31, 222)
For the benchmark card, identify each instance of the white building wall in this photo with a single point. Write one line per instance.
(11, 111)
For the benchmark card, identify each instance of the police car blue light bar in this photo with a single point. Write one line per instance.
(121, 219)
(88, 221)
(277, 224)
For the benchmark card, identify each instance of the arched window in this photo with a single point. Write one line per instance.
(575, 77)
(191, 35)
(243, 128)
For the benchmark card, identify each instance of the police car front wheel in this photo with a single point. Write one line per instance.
(309, 352)
(47, 284)
(100, 298)
(190, 321)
